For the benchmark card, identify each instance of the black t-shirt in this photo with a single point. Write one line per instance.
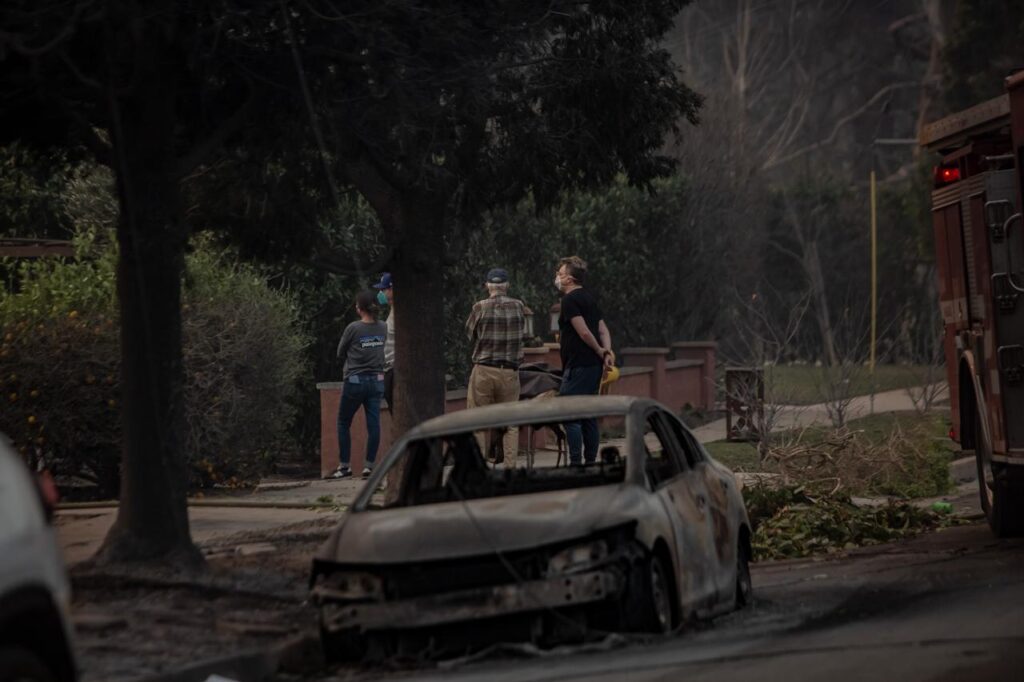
(575, 353)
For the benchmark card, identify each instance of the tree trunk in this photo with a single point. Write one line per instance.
(418, 271)
(152, 520)
(419, 314)
(812, 265)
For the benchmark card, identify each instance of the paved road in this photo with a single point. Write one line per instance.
(942, 607)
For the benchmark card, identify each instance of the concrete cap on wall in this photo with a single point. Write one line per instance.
(644, 351)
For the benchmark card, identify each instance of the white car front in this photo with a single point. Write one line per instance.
(35, 632)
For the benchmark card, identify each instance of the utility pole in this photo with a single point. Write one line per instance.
(874, 276)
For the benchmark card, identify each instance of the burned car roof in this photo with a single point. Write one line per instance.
(529, 412)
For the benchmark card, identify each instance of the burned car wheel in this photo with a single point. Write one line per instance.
(744, 585)
(648, 598)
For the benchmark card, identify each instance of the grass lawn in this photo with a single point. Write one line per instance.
(877, 428)
(736, 456)
(805, 384)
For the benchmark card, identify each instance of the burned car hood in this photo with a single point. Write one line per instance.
(453, 529)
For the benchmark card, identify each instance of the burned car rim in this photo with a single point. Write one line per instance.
(744, 585)
(660, 596)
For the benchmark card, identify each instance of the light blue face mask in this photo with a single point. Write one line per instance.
(382, 298)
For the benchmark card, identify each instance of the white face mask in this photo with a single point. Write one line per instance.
(558, 282)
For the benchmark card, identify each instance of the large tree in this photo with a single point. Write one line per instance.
(436, 112)
(983, 48)
(151, 89)
(433, 111)
(456, 107)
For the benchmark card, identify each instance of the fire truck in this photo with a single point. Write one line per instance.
(979, 247)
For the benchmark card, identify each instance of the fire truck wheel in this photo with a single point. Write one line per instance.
(1006, 516)
(983, 460)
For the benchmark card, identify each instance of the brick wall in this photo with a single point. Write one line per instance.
(683, 374)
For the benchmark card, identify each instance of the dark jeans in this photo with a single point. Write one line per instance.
(583, 436)
(366, 394)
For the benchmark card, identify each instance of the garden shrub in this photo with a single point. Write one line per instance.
(790, 522)
(60, 366)
(243, 352)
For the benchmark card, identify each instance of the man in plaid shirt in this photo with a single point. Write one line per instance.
(496, 329)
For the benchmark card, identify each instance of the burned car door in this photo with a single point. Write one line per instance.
(682, 490)
(721, 517)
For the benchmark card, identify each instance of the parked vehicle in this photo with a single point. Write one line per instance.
(979, 241)
(35, 633)
(467, 554)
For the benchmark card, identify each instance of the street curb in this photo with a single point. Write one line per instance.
(252, 666)
(238, 504)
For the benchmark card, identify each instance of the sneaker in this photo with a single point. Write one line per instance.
(367, 471)
(342, 472)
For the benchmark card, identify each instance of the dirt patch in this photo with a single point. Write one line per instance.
(132, 624)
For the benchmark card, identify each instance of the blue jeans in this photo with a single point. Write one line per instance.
(365, 391)
(583, 436)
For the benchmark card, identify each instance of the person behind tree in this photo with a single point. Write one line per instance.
(362, 347)
(386, 296)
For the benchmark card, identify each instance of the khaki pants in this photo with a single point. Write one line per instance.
(488, 386)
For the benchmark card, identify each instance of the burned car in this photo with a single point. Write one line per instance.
(464, 553)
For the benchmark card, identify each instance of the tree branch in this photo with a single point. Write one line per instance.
(839, 125)
(202, 149)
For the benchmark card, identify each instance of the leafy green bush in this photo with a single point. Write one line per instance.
(243, 360)
(61, 398)
(652, 258)
(788, 522)
(60, 366)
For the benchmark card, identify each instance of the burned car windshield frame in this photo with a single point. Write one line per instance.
(467, 427)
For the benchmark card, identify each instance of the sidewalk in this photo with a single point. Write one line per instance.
(795, 416)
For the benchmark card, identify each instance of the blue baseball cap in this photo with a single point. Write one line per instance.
(497, 276)
(385, 281)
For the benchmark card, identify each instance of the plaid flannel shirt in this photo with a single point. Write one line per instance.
(496, 328)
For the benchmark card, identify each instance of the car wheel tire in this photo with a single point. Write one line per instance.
(21, 665)
(648, 599)
(1006, 515)
(1002, 504)
(744, 585)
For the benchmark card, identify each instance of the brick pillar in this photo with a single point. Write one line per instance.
(554, 355)
(330, 396)
(655, 358)
(705, 352)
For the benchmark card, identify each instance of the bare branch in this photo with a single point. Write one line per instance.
(202, 150)
(841, 123)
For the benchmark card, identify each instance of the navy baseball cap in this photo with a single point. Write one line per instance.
(385, 281)
(497, 276)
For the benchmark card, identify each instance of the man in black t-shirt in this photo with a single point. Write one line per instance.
(586, 352)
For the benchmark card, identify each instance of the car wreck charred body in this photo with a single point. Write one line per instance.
(652, 534)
